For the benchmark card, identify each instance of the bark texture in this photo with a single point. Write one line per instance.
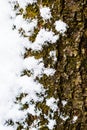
(72, 66)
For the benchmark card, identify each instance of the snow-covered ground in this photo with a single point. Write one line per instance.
(11, 66)
(12, 63)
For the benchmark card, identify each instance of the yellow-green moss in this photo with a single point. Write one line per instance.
(33, 36)
(31, 12)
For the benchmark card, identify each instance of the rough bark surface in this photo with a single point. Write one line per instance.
(72, 66)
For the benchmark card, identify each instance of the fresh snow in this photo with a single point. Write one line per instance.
(45, 13)
(51, 124)
(44, 37)
(64, 102)
(60, 26)
(24, 3)
(11, 66)
(52, 54)
(12, 63)
(75, 118)
(52, 103)
(36, 67)
(27, 26)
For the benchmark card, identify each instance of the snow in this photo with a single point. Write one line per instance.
(24, 3)
(11, 66)
(45, 13)
(36, 67)
(28, 85)
(75, 118)
(51, 124)
(64, 102)
(44, 37)
(60, 26)
(64, 118)
(12, 63)
(52, 54)
(27, 26)
(52, 103)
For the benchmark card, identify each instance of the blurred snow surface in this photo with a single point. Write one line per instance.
(11, 66)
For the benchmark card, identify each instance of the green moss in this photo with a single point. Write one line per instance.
(26, 72)
(42, 106)
(33, 36)
(43, 122)
(45, 2)
(44, 128)
(24, 106)
(32, 11)
(19, 98)
(20, 127)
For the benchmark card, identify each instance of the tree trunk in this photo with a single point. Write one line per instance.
(72, 66)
